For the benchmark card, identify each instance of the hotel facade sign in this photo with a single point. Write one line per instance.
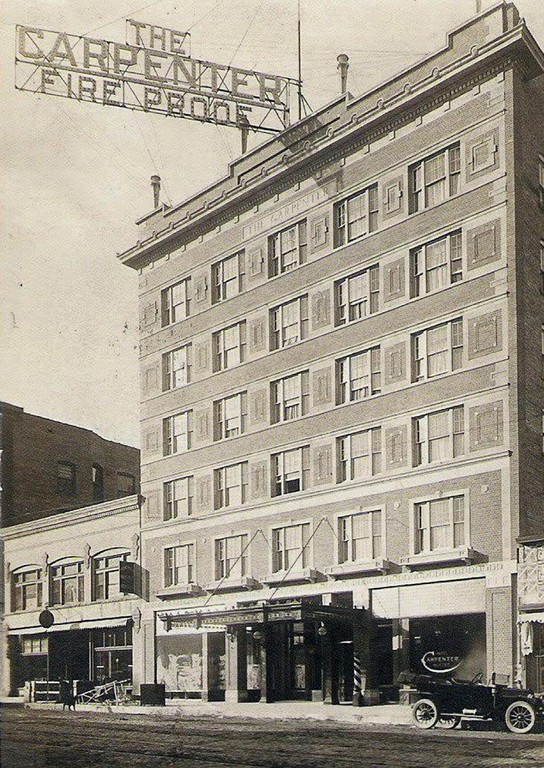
(161, 78)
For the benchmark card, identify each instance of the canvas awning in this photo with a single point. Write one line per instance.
(119, 621)
(536, 617)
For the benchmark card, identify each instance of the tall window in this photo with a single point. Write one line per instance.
(67, 583)
(230, 485)
(106, 576)
(177, 433)
(358, 295)
(435, 178)
(542, 350)
(175, 302)
(290, 471)
(97, 473)
(439, 436)
(356, 216)
(440, 524)
(542, 266)
(230, 416)
(26, 590)
(541, 180)
(290, 397)
(178, 498)
(66, 478)
(231, 557)
(437, 350)
(436, 265)
(360, 537)
(126, 484)
(228, 277)
(290, 547)
(359, 454)
(289, 323)
(229, 346)
(359, 376)
(287, 249)
(179, 565)
(176, 366)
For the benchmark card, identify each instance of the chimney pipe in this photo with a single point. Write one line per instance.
(156, 184)
(343, 66)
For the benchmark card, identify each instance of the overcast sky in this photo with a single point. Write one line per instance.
(76, 176)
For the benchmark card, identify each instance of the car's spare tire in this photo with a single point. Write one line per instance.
(520, 717)
(425, 713)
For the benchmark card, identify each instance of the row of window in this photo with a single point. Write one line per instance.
(438, 524)
(66, 583)
(436, 437)
(67, 481)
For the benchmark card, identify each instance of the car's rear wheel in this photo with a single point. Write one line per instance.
(520, 717)
(448, 721)
(425, 713)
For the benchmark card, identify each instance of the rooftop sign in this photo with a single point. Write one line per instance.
(152, 75)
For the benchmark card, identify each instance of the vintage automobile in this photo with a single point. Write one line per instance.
(446, 701)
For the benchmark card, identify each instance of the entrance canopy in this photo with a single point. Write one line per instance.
(262, 614)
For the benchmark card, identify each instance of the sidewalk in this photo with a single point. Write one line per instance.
(382, 714)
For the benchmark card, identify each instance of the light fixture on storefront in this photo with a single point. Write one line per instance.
(258, 635)
(322, 630)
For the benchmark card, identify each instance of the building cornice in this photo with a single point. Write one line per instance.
(362, 120)
(73, 517)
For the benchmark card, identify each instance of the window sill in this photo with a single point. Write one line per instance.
(466, 555)
(180, 590)
(233, 584)
(379, 565)
(290, 577)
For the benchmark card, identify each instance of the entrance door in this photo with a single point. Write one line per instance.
(295, 661)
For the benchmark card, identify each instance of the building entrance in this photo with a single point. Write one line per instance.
(296, 660)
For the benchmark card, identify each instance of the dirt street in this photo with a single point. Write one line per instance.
(35, 739)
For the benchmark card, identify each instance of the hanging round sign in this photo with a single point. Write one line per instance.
(440, 661)
(46, 618)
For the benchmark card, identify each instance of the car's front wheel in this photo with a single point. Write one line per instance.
(425, 713)
(520, 717)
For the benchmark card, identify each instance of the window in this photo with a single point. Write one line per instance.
(359, 376)
(287, 249)
(98, 482)
(228, 277)
(542, 350)
(177, 433)
(178, 498)
(437, 350)
(290, 547)
(289, 323)
(66, 477)
(359, 454)
(360, 537)
(435, 178)
(436, 265)
(179, 565)
(356, 216)
(230, 416)
(106, 576)
(290, 397)
(439, 436)
(67, 583)
(229, 346)
(440, 524)
(230, 557)
(126, 484)
(541, 180)
(358, 295)
(175, 302)
(33, 645)
(26, 591)
(230, 485)
(290, 470)
(542, 266)
(176, 366)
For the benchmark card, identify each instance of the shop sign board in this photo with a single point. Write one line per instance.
(151, 74)
(440, 661)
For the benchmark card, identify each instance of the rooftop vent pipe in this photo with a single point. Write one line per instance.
(343, 66)
(156, 184)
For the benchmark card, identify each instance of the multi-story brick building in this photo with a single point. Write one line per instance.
(342, 392)
(49, 467)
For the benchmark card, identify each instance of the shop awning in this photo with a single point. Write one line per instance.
(119, 621)
(263, 614)
(537, 618)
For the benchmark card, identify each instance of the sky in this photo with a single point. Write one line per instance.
(75, 176)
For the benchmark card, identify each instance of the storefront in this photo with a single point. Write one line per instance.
(531, 613)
